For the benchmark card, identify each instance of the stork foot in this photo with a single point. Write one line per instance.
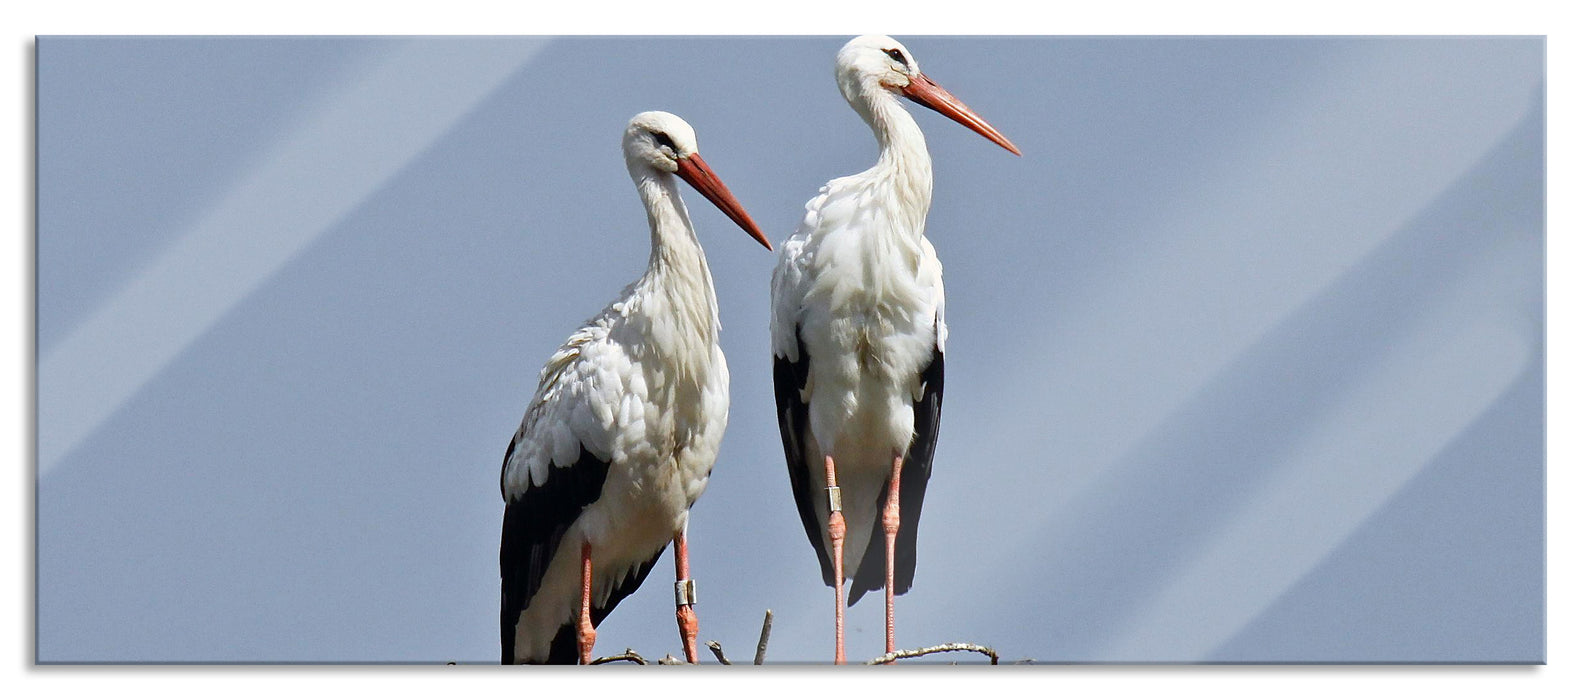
(687, 622)
(891, 520)
(837, 540)
(585, 638)
(686, 597)
(585, 633)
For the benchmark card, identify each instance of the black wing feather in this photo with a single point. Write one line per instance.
(915, 470)
(534, 524)
(790, 377)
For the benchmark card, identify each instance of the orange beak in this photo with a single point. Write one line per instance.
(928, 93)
(697, 173)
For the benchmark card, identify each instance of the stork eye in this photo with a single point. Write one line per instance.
(897, 55)
(664, 140)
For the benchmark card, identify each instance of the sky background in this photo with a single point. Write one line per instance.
(1246, 360)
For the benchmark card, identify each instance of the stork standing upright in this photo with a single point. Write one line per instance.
(858, 325)
(623, 430)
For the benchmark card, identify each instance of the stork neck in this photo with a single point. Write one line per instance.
(677, 268)
(903, 164)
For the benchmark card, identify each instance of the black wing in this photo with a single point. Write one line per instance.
(790, 377)
(915, 470)
(534, 524)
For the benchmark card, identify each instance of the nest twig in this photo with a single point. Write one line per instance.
(763, 638)
(630, 655)
(763, 643)
(763, 646)
(994, 657)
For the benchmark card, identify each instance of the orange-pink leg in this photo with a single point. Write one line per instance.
(686, 597)
(892, 525)
(837, 539)
(585, 633)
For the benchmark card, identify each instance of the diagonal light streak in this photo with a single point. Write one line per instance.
(314, 178)
(1262, 232)
(1421, 396)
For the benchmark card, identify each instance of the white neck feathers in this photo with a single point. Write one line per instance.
(677, 290)
(904, 170)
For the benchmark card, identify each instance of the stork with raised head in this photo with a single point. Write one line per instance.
(858, 324)
(623, 430)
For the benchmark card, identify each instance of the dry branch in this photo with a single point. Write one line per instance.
(763, 638)
(994, 658)
(763, 646)
(763, 643)
(630, 655)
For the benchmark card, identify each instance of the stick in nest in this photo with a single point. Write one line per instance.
(630, 655)
(994, 658)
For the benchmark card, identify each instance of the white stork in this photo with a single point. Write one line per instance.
(858, 325)
(623, 430)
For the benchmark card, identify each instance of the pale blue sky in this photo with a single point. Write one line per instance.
(1246, 359)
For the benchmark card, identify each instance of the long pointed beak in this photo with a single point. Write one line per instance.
(928, 93)
(702, 178)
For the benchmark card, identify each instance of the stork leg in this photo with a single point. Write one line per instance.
(686, 597)
(892, 526)
(585, 633)
(837, 539)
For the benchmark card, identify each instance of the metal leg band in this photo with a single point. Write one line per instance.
(834, 498)
(686, 592)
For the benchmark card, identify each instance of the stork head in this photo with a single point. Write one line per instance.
(875, 62)
(665, 143)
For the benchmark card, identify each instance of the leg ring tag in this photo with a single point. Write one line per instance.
(686, 592)
(834, 498)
